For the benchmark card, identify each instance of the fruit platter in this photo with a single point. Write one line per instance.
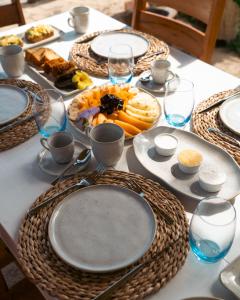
(131, 108)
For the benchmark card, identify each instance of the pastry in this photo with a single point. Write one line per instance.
(10, 40)
(39, 56)
(189, 161)
(38, 33)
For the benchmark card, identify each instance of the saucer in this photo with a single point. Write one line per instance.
(49, 166)
(152, 86)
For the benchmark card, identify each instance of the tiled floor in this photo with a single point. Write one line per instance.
(13, 285)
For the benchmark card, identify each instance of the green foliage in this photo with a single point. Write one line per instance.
(237, 1)
(235, 44)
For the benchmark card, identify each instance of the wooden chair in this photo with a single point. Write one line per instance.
(178, 33)
(11, 14)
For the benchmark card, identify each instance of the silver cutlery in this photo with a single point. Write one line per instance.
(107, 293)
(223, 134)
(81, 159)
(136, 188)
(18, 122)
(84, 182)
(220, 101)
(150, 55)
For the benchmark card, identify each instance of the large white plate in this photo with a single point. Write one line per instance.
(101, 44)
(166, 168)
(102, 228)
(13, 102)
(230, 114)
(230, 277)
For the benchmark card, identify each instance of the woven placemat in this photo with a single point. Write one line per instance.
(22, 132)
(87, 61)
(43, 267)
(202, 121)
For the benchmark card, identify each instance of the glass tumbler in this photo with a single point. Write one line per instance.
(212, 229)
(120, 64)
(178, 102)
(50, 112)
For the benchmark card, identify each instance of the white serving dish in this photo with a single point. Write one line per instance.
(102, 228)
(230, 277)
(230, 114)
(166, 168)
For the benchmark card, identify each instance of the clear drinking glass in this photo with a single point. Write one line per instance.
(50, 112)
(120, 64)
(178, 101)
(212, 229)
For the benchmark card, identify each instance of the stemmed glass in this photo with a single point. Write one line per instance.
(120, 64)
(178, 102)
(212, 229)
(50, 112)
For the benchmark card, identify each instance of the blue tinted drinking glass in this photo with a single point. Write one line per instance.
(178, 102)
(50, 112)
(120, 64)
(212, 229)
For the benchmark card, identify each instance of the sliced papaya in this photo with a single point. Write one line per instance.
(123, 116)
(128, 127)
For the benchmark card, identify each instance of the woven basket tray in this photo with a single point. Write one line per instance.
(202, 121)
(44, 268)
(22, 132)
(87, 63)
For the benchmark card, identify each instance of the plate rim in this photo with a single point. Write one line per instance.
(204, 141)
(221, 114)
(130, 138)
(116, 32)
(21, 91)
(112, 269)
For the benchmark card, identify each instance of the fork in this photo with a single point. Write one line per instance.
(84, 182)
(134, 186)
(225, 135)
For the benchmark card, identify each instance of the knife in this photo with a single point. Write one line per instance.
(219, 102)
(107, 293)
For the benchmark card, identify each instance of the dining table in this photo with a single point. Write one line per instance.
(22, 181)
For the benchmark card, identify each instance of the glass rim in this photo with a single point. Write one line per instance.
(191, 85)
(216, 225)
(120, 45)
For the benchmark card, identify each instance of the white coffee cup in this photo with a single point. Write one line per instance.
(12, 60)
(60, 145)
(79, 19)
(107, 141)
(160, 70)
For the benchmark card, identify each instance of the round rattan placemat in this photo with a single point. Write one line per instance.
(44, 268)
(202, 121)
(87, 61)
(22, 132)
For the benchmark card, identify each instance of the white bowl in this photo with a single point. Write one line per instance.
(165, 144)
(211, 179)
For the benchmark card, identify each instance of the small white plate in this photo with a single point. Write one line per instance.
(230, 277)
(230, 114)
(13, 103)
(49, 166)
(166, 168)
(102, 43)
(102, 228)
(152, 86)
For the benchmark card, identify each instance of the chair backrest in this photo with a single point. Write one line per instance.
(11, 14)
(178, 33)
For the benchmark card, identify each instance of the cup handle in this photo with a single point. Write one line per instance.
(70, 22)
(43, 141)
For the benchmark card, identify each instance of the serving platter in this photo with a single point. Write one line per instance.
(166, 168)
(102, 43)
(230, 114)
(13, 103)
(140, 95)
(102, 228)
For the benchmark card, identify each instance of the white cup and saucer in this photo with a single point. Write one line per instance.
(156, 78)
(79, 19)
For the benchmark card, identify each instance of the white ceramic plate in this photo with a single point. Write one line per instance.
(230, 277)
(230, 114)
(49, 166)
(166, 168)
(102, 43)
(13, 102)
(102, 228)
